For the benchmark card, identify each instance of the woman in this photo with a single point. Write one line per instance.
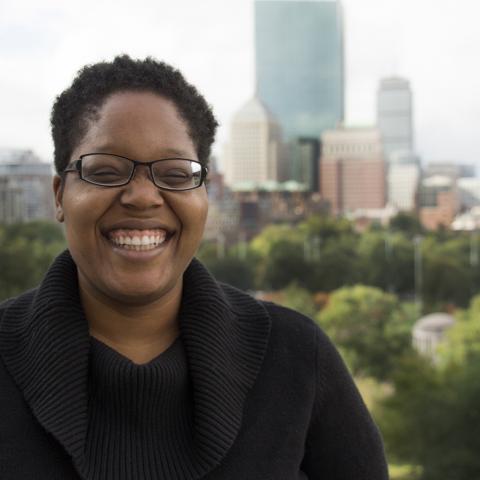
(130, 361)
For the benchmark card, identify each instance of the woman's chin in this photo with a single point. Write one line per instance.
(138, 295)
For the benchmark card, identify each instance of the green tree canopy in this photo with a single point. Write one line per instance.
(299, 299)
(370, 327)
(432, 419)
(462, 341)
(407, 223)
(26, 251)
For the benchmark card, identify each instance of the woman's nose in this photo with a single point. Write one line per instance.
(141, 192)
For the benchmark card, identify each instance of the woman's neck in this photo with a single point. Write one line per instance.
(138, 332)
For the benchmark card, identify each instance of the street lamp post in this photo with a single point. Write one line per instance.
(417, 241)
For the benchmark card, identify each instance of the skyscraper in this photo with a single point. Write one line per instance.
(299, 64)
(394, 115)
(254, 152)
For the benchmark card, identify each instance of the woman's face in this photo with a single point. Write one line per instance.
(142, 126)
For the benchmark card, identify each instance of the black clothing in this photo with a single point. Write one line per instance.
(265, 395)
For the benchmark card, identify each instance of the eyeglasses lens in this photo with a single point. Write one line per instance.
(177, 174)
(110, 170)
(106, 169)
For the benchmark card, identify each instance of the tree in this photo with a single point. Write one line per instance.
(299, 299)
(327, 228)
(284, 264)
(462, 341)
(281, 260)
(239, 272)
(334, 267)
(446, 279)
(370, 327)
(386, 261)
(407, 223)
(432, 419)
(26, 251)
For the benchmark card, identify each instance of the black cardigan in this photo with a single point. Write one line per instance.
(271, 397)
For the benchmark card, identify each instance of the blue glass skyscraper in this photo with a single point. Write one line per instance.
(300, 64)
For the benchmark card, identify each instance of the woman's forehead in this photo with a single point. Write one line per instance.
(138, 123)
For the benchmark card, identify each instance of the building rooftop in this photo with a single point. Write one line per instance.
(437, 181)
(434, 322)
(269, 186)
(254, 111)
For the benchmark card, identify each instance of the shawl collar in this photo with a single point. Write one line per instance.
(44, 342)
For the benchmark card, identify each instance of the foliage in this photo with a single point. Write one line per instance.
(407, 223)
(26, 251)
(387, 261)
(279, 249)
(299, 299)
(433, 419)
(447, 275)
(229, 268)
(462, 342)
(324, 253)
(369, 326)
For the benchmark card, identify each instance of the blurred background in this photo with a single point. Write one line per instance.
(343, 182)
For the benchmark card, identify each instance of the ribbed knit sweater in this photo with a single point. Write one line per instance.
(250, 391)
(139, 416)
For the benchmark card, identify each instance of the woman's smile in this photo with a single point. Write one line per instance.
(139, 240)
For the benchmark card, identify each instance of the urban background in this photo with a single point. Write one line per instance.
(361, 225)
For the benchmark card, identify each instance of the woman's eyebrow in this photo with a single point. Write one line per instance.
(173, 152)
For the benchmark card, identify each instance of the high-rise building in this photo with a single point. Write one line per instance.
(26, 183)
(403, 183)
(394, 115)
(254, 152)
(300, 64)
(304, 162)
(403, 180)
(352, 169)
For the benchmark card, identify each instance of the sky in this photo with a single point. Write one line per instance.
(433, 43)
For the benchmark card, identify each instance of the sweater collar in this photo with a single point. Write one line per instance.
(44, 343)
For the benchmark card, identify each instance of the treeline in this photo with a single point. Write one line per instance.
(323, 254)
(26, 251)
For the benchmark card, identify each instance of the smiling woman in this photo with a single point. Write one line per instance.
(130, 361)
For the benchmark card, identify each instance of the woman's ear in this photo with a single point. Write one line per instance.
(58, 194)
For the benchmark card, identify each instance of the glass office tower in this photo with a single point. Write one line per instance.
(300, 64)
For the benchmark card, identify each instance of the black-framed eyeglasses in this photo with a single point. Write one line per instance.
(110, 170)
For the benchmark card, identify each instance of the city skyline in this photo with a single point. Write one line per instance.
(431, 43)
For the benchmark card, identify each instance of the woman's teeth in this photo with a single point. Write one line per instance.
(137, 240)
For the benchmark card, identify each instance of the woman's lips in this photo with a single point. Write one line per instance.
(136, 239)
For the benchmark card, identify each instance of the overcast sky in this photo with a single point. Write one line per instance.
(433, 43)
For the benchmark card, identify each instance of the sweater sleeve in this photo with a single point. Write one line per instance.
(343, 443)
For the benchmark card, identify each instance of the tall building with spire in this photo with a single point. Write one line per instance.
(254, 152)
(300, 64)
(394, 115)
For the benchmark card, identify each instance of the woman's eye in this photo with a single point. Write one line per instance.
(176, 176)
(102, 173)
(177, 173)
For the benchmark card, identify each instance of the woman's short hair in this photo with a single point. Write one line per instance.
(77, 106)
